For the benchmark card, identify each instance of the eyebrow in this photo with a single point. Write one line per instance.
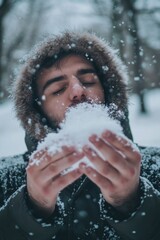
(85, 71)
(62, 77)
(51, 81)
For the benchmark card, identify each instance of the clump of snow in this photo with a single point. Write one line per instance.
(81, 121)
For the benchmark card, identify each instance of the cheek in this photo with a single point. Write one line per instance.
(54, 109)
(59, 107)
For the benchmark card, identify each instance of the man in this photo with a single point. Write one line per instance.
(114, 200)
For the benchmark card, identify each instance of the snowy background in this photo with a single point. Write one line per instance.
(145, 127)
(110, 19)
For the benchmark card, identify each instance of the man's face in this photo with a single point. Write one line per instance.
(72, 81)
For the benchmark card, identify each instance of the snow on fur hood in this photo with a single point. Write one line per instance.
(109, 67)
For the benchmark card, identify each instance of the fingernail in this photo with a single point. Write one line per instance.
(106, 134)
(82, 165)
(78, 154)
(68, 148)
(94, 138)
(86, 148)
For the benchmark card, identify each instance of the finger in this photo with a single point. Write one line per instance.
(43, 158)
(112, 156)
(103, 167)
(123, 144)
(36, 157)
(54, 169)
(64, 180)
(67, 152)
(101, 181)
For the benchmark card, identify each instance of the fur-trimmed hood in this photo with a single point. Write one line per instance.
(110, 69)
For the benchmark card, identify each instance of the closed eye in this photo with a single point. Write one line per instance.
(88, 84)
(88, 79)
(58, 92)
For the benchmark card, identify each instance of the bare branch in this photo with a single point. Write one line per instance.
(147, 11)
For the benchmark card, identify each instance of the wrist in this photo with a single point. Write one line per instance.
(131, 204)
(39, 209)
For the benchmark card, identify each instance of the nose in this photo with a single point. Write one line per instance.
(77, 91)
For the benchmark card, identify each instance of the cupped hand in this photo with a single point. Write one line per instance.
(117, 167)
(45, 179)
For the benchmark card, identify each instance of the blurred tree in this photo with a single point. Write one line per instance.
(25, 34)
(124, 36)
(127, 34)
(5, 7)
(124, 24)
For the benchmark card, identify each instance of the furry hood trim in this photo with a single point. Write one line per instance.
(110, 69)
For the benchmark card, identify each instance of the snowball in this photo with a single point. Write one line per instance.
(79, 124)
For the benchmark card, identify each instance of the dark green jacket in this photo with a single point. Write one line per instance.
(81, 212)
